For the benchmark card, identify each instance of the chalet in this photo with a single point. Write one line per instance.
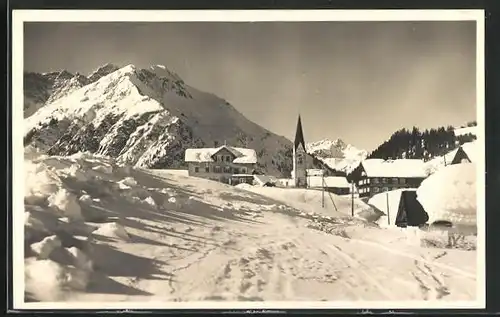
(220, 163)
(466, 153)
(333, 184)
(373, 176)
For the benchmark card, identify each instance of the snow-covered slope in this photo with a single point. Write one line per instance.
(148, 118)
(337, 154)
(467, 130)
(42, 89)
(99, 232)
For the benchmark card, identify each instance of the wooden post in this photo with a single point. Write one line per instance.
(352, 197)
(322, 191)
(388, 214)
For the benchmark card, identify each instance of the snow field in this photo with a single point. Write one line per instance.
(147, 236)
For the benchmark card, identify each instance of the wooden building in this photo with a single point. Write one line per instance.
(220, 163)
(373, 176)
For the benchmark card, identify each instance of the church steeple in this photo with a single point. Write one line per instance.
(299, 135)
(299, 157)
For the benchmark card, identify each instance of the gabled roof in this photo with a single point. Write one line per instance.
(299, 136)
(407, 168)
(472, 151)
(470, 148)
(201, 155)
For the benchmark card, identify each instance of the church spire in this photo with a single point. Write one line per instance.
(299, 135)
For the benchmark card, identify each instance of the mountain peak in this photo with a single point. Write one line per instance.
(163, 72)
(336, 154)
(102, 71)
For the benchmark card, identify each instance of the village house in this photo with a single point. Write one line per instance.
(221, 163)
(463, 154)
(373, 176)
(466, 153)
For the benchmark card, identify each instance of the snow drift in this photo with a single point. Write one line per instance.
(115, 233)
(450, 195)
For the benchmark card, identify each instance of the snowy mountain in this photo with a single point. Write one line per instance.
(142, 117)
(337, 154)
(42, 89)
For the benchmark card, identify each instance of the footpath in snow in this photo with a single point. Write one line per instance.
(99, 232)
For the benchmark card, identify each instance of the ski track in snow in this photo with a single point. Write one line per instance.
(255, 255)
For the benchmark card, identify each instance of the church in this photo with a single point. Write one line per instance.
(304, 177)
(299, 158)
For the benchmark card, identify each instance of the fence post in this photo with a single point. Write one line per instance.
(352, 198)
(388, 214)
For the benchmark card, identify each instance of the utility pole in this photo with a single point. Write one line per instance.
(388, 214)
(322, 190)
(352, 198)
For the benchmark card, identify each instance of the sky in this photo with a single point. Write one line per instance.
(358, 81)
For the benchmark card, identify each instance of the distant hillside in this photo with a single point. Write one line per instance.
(416, 144)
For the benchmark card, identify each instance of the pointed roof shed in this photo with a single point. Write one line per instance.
(299, 135)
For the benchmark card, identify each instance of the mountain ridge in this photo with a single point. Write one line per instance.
(147, 118)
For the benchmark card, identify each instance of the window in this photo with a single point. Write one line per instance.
(376, 189)
(228, 158)
(299, 159)
(243, 170)
(227, 169)
(217, 169)
(384, 180)
(216, 158)
(207, 169)
(402, 181)
(196, 169)
(375, 180)
(384, 189)
(360, 182)
(368, 181)
(242, 180)
(395, 180)
(236, 170)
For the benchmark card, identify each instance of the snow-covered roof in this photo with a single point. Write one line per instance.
(407, 168)
(470, 148)
(263, 179)
(315, 172)
(450, 194)
(330, 181)
(200, 155)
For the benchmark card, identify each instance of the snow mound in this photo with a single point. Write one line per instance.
(44, 279)
(45, 247)
(113, 230)
(66, 203)
(450, 195)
